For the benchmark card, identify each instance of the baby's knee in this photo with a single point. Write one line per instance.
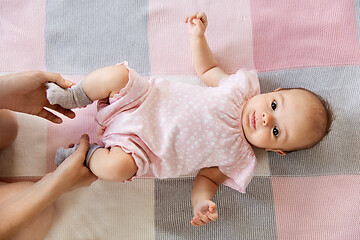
(118, 77)
(105, 82)
(8, 128)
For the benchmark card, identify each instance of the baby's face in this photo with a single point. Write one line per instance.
(282, 120)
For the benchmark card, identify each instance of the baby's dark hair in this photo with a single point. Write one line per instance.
(327, 111)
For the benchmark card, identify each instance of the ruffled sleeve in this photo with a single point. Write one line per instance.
(240, 172)
(247, 82)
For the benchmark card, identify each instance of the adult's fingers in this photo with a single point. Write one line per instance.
(66, 112)
(58, 79)
(92, 178)
(49, 116)
(83, 146)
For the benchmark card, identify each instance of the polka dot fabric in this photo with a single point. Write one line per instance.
(176, 128)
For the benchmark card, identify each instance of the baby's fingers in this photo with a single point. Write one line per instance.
(212, 207)
(189, 18)
(202, 16)
(213, 216)
(197, 222)
(206, 218)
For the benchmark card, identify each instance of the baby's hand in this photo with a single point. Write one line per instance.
(204, 212)
(198, 23)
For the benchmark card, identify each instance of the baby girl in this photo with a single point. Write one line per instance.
(176, 129)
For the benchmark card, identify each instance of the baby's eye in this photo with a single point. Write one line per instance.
(273, 105)
(276, 131)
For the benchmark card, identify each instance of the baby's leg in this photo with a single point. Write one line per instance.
(102, 83)
(105, 82)
(110, 164)
(113, 164)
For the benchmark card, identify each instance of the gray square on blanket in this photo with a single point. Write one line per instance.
(241, 216)
(82, 36)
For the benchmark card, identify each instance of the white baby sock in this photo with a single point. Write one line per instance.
(63, 153)
(68, 98)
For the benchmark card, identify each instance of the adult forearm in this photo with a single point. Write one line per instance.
(3, 90)
(25, 206)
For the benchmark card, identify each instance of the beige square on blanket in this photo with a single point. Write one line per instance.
(106, 210)
(27, 155)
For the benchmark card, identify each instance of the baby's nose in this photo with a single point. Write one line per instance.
(266, 119)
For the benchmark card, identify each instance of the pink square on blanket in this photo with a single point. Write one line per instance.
(229, 34)
(22, 38)
(325, 207)
(307, 33)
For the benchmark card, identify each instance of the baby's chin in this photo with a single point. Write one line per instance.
(247, 139)
(245, 122)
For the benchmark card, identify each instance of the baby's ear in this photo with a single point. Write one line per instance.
(278, 89)
(278, 151)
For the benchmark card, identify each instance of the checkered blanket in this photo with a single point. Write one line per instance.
(312, 194)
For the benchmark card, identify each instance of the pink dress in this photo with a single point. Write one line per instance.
(177, 128)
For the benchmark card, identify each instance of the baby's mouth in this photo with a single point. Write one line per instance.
(253, 121)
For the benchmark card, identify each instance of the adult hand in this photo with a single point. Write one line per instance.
(26, 92)
(28, 206)
(72, 171)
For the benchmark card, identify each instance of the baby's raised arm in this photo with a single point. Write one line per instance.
(205, 187)
(205, 64)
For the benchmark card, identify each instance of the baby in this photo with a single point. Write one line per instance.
(177, 128)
